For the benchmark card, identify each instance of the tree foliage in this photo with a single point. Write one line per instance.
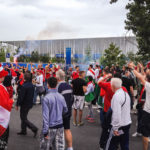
(88, 54)
(35, 57)
(113, 55)
(45, 58)
(134, 57)
(113, 1)
(2, 55)
(138, 21)
(23, 58)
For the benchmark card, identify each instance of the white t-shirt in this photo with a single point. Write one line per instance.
(90, 88)
(96, 74)
(39, 79)
(147, 102)
(89, 73)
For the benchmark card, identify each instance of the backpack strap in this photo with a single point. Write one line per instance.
(124, 101)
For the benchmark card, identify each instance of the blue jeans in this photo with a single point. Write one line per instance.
(35, 96)
(45, 85)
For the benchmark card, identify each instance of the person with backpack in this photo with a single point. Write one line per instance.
(66, 91)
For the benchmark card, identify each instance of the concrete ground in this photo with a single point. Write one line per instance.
(84, 138)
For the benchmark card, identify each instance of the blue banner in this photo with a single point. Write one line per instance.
(78, 55)
(68, 56)
(59, 55)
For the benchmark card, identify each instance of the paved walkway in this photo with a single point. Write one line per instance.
(84, 138)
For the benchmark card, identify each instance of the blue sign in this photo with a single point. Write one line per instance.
(7, 55)
(68, 56)
(59, 55)
(78, 55)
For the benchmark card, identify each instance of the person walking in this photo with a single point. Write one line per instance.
(25, 101)
(53, 109)
(66, 90)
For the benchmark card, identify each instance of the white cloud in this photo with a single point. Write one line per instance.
(21, 19)
(63, 4)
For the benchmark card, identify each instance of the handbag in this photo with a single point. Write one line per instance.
(41, 90)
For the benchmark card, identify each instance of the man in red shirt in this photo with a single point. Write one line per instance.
(75, 74)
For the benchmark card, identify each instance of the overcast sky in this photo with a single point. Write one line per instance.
(60, 19)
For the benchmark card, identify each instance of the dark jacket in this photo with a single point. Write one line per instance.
(26, 95)
(66, 90)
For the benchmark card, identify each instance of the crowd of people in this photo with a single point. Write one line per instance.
(62, 92)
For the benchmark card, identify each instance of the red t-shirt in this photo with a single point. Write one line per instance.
(75, 75)
(10, 91)
(48, 74)
(108, 94)
(21, 77)
(13, 73)
(43, 73)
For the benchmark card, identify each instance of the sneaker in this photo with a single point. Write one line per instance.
(81, 124)
(136, 134)
(74, 124)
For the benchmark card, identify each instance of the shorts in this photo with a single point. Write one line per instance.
(66, 123)
(78, 102)
(145, 124)
(55, 141)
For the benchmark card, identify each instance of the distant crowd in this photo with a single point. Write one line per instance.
(64, 92)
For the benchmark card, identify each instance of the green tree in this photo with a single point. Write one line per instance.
(11, 59)
(138, 21)
(35, 57)
(54, 60)
(113, 1)
(88, 55)
(113, 55)
(45, 58)
(23, 58)
(2, 55)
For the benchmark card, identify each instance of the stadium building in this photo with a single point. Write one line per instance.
(57, 48)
